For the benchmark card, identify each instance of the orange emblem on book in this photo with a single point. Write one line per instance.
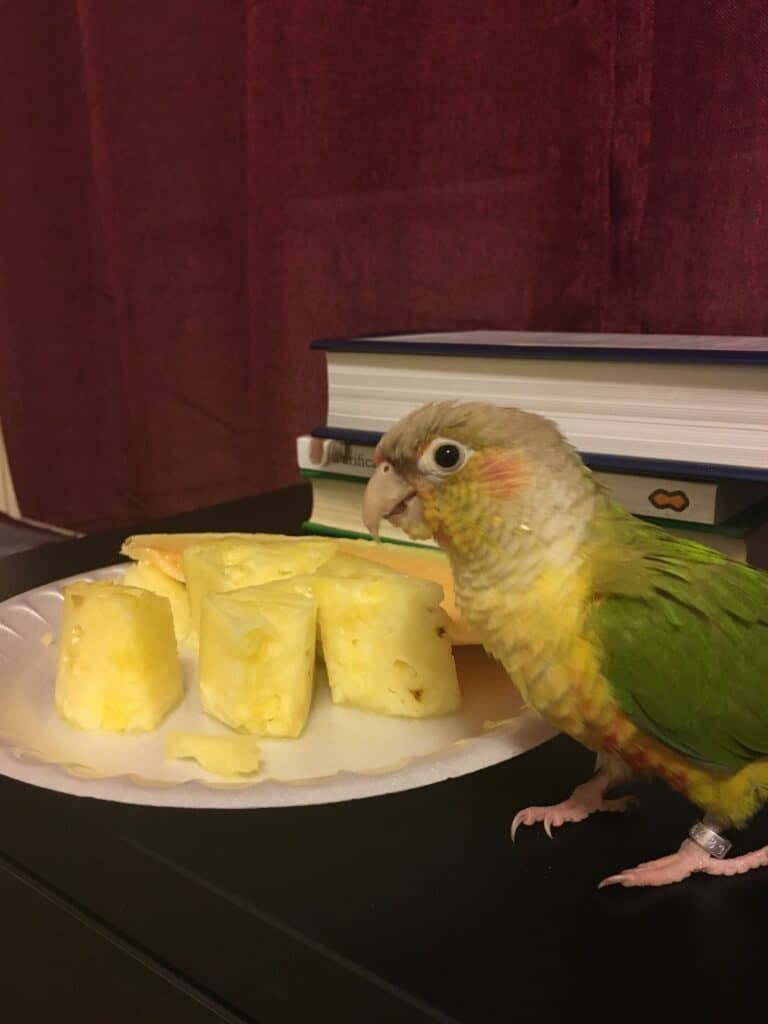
(661, 499)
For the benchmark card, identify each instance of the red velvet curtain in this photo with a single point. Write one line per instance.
(190, 190)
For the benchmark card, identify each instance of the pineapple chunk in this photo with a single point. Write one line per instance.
(423, 563)
(233, 565)
(149, 577)
(118, 668)
(347, 566)
(291, 586)
(257, 658)
(165, 550)
(297, 585)
(224, 755)
(385, 643)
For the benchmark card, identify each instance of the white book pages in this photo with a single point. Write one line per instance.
(678, 412)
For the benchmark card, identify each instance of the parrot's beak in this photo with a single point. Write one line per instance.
(388, 496)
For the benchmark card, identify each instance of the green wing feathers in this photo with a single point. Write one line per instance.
(684, 638)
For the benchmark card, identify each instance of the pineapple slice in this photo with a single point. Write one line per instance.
(425, 564)
(224, 755)
(118, 668)
(349, 566)
(257, 658)
(298, 585)
(341, 565)
(149, 577)
(165, 550)
(385, 642)
(232, 565)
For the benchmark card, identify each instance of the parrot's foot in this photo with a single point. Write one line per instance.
(585, 800)
(689, 859)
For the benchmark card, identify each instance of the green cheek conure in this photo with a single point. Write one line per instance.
(649, 650)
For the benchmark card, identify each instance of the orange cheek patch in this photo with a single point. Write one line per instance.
(498, 472)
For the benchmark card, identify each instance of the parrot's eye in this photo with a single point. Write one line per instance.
(443, 457)
(447, 456)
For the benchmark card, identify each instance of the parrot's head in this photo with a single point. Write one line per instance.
(474, 476)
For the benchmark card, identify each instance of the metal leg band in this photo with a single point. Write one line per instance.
(709, 840)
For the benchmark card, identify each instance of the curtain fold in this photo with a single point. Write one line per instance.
(191, 190)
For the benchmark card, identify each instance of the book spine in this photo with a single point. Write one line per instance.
(334, 518)
(335, 457)
(654, 497)
(662, 498)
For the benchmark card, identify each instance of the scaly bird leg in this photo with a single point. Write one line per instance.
(585, 800)
(690, 859)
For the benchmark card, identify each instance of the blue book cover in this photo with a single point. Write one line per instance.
(649, 348)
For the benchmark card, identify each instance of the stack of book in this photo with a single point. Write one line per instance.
(675, 427)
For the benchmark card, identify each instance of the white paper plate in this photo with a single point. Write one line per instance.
(343, 754)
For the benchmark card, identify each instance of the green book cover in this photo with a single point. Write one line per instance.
(740, 525)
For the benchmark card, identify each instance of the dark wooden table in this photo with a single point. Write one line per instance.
(406, 908)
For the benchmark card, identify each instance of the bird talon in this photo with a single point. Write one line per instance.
(585, 800)
(676, 867)
(518, 820)
(611, 880)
